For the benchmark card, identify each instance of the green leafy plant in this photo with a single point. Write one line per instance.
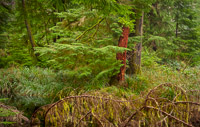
(28, 88)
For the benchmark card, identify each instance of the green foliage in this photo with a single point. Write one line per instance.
(19, 53)
(169, 94)
(173, 29)
(106, 7)
(6, 113)
(28, 88)
(81, 61)
(137, 83)
(77, 40)
(150, 59)
(5, 15)
(83, 48)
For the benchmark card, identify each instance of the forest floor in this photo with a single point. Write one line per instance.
(159, 96)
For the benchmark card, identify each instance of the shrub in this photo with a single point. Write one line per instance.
(28, 88)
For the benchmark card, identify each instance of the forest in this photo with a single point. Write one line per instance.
(99, 63)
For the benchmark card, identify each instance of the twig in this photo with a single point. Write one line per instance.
(75, 97)
(150, 107)
(165, 84)
(187, 102)
(164, 119)
(90, 112)
(187, 64)
(83, 117)
(153, 100)
(124, 124)
(80, 36)
(98, 119)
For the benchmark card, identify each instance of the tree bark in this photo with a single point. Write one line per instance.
(123, 42)
(28, 27)
(135, 54)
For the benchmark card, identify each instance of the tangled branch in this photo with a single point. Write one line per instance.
(165, 103)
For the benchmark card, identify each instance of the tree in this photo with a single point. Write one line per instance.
(125, 20)
(141, 7)
(135, 54)
(171, 28)
(123, 42)
(28, 27)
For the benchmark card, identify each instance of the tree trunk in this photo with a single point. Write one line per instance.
(135, 54)
(123, 42)
(177, 29)
(28, 27)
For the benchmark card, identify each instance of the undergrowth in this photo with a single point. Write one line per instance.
(30, 88)
(188, 78)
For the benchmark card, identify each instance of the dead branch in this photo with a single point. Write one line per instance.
(124, 124)
(150, 107)
(187, 102)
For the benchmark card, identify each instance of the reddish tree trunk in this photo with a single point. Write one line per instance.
(123, 41)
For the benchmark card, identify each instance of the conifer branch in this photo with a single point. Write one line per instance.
(80, 36)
